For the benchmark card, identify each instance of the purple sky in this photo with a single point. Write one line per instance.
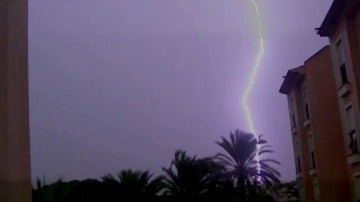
(123, 84)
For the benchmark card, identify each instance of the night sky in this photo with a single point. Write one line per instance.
(118, 84)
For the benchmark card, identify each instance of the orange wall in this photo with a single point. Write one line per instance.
(326, 128)
(305, 180)
(349, 31)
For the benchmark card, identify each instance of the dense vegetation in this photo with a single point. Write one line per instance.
(234, 175)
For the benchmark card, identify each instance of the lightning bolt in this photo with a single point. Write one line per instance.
(251, 82)
(254, 72)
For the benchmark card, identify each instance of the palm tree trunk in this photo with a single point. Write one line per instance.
(241, 188)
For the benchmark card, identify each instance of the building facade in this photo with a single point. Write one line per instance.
(319, 151)
(342, 26)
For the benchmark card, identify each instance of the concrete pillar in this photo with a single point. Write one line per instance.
(15, 183)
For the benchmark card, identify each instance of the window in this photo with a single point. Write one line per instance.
(298, 164)
(297, 155)
(293, 119)
(306, 103)
(350, 121)
(343, 74)
(292, 109)
(312, 152)
(357, 188)
(316, 192)
(350, 118)
(313, 163)
(307, 113)
(340, 55)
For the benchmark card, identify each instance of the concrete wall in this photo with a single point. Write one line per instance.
(14, 122)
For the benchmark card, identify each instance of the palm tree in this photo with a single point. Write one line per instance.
(242, 164)
(291, 191)
(134, 185)
(190, 178)
(89, 190)
(54, 192)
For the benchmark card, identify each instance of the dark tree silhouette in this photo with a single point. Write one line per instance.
(241, 162)
(134, 185)
(191, 179)
(226, 177)
(89, 190)
(55, 192)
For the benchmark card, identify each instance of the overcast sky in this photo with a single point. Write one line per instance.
(118, 84)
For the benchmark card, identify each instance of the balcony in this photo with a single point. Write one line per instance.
(307, 123)
(294, 130)
(313, 172)
(353, 159)
(299, 175)
(344, 90)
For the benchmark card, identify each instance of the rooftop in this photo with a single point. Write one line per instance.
(295, 75)
(338, 9)
(292, 77)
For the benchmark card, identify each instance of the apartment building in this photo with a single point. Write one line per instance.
(342, 26)
(316, 129)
